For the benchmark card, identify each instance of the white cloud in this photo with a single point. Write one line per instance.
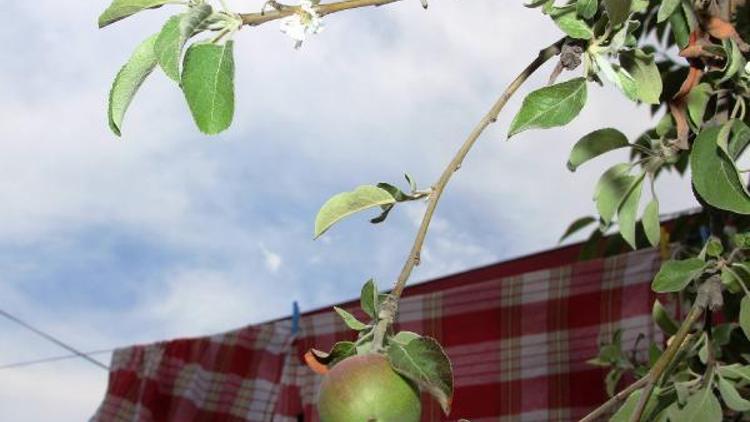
(273, 260)
(65, 391)
(199, 301)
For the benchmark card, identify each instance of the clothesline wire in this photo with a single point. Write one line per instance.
(295, 328)
(50, 338)
(53, 359)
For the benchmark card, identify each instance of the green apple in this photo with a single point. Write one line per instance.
(364, 388)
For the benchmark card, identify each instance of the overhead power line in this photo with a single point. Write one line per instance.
(52, 339)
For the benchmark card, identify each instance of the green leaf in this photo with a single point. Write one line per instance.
(697, 100)
(664, 125)
(703, 352)
(680, 29)
(386, 211)
(607, 69)
(396, 193)
(627, 214)
(595, 144)
(536, 3)
(731, 280)
(423, 361)
(722, 333)
(740, 137)
(689, 10)
(662, 319)
(731, 397)
(173, 36)
(645, 74)
(348, 203)
(369, 298)
(587, 8)
(673, 275)
(627, 84)
(551, 106)
(350, 320)
(339, 352)
(651, 222)
(576, 226)
(411, 182)
(744, 319)
(127, 82)
(598, 362)
(404, 337)
(572, 26)
(625, 411)
(683, 392)
(208, 84)
(741, 240)
(639, 6)
(715, 176)
(666, 9)
(654, 353)
(612, 380)
(168, 45)
(735, 61)
(121, 9)
(618, 11)
(723, 140)
(611, 190)
(617, 42)
(735, 372)
(714, 248)
(702, 406)
(364, 342)
(617, 75)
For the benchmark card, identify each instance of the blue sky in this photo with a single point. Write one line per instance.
(168, 233)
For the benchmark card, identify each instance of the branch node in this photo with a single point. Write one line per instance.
(570, 59)
(709, 294)
(272, 4)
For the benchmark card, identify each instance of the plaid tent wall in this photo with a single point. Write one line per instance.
(518, 340)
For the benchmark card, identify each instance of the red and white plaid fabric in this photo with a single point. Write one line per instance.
(234, 376)
(518, 341)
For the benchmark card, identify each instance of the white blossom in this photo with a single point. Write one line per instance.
(303, 23)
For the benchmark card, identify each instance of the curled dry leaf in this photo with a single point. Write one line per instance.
(678, 105)
(723, 30)
(703, 49)
(311, 359)
(677, 108)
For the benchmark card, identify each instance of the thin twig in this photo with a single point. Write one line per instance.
(649, 380)
(388, 312)
(665, 359)
(609, 405)
(255, 19)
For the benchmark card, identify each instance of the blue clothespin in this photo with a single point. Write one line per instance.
(295, 318)
(704, 233)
